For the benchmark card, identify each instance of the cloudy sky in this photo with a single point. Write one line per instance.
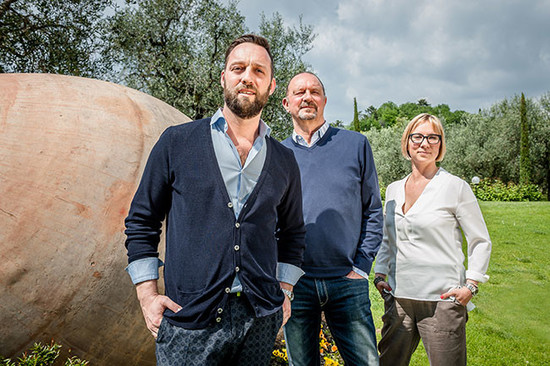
(468, 54)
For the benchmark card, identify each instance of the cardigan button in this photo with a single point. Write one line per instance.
(218, 319)
(237, 269)
(236, 247)
(237, 225)
(230, 205)
(227, 290)
(220, 310)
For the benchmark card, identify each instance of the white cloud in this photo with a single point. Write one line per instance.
(466, 54)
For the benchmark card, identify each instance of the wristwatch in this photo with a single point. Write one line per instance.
(473, 288)
(378, 280)
(288, 293)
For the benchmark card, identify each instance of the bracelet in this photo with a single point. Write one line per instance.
(378, 279)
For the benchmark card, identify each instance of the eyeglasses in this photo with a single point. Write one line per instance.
(418, 138)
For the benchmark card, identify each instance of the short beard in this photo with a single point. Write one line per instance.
(307, 116)
(243, 108)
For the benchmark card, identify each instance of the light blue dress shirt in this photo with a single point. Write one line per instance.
(314, 138)
(239, 181)
(317, 135)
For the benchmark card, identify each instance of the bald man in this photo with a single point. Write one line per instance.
(343, 217)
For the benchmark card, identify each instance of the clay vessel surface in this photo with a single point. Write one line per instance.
(72, 151)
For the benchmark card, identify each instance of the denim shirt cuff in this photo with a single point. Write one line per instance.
(144, 269)
(289, 273)
(361, 273)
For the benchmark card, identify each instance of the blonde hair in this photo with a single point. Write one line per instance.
(436, 125)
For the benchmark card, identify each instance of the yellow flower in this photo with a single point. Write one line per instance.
(330, 362)
(279, 354)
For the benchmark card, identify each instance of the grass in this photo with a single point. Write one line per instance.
(511, 323)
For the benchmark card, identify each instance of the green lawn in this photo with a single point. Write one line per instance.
(511, 324)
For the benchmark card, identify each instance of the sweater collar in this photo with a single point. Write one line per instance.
(317, 135)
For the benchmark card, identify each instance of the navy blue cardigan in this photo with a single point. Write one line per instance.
(205, 243)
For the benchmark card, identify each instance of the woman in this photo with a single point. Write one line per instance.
(419, 269)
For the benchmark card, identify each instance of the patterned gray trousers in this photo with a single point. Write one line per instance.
(238, 339)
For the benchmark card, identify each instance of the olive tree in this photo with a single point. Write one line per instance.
(54, 36)
(174, 50)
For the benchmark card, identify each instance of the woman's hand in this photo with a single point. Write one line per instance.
(462, 295)
(382, 285)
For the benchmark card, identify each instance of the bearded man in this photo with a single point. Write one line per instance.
(343, 217)
(231, 197)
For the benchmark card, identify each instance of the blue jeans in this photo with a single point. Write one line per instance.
(346, 305)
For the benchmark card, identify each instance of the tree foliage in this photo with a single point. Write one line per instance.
(175, 49)
(488, 144)
(355, 124)
(524, 161)
(389, 113)
(539, 144)
(171, 49)
(55, 36)
(288, 46)
(485, 144)
(386, 151)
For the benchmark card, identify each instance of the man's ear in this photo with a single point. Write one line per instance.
(285, 103)
(272, 86)
(222, 80)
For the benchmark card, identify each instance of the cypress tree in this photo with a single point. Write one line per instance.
(524, 160)
(356, 125)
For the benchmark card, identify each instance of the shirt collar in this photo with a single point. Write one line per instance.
(314, 138)
(218, 121)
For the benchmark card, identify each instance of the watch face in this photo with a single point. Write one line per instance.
(289, 294)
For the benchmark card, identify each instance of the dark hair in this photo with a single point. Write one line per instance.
(251, 38)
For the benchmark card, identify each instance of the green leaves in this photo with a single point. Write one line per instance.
(485, 144)
(42, 355)
(288, 45)
(55, 36)
(495, 190)
(175, 50)
(171, 49)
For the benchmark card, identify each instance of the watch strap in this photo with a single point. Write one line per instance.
(288, 294)
(473, 288)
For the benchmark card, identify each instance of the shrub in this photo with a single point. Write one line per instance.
(42, 355)
(495, 190)
(383, 192)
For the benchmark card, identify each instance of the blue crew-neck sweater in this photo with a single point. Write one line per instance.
(341, 203)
